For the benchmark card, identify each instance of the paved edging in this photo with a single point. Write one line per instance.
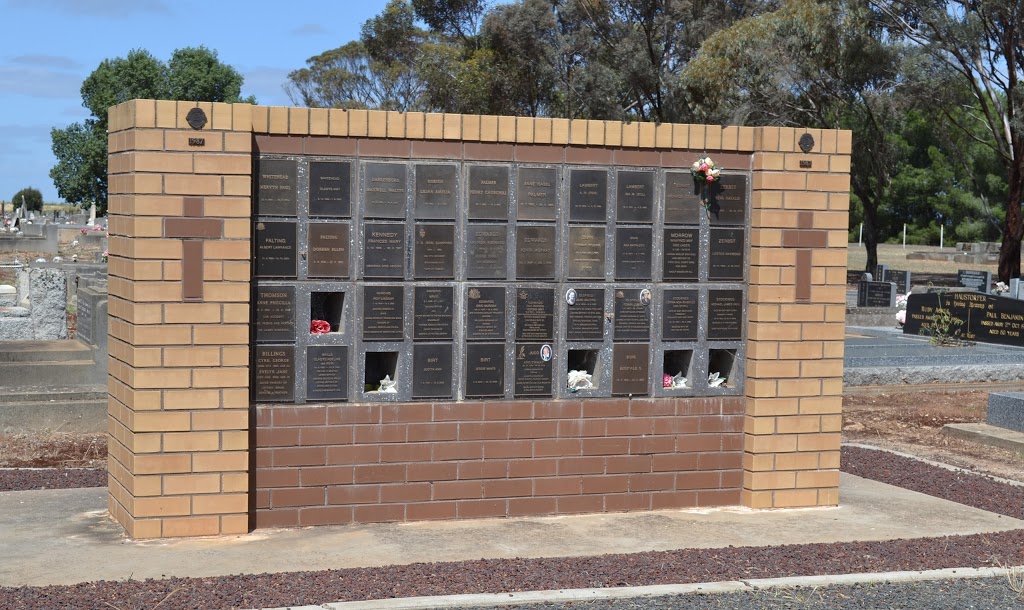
(575, 595)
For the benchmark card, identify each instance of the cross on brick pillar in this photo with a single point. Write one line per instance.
(192, 229)
(804, 238)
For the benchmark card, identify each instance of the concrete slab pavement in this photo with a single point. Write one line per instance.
(64, 536)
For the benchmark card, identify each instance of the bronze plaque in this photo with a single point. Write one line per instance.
(432, 370)
(535, 252)
(726, 255)
(634, 202)
(383, 313)
(535, 314)
(485, 370)
(630, 364)
(434, 251)
(679, 315)
(273, 373)
(533, 370)
(433, 308)
(275, 249)
(275, 314)
(485, 313)
(585, 316)
(328, 249)
(487, 251)
(487, 193)
(682, 199)
(633, 247)
(386, 191)
(330, 188)
(327, 372)
(588, 195)
(275, 187)
(725, 315)
(681, 255)
(537, 193)
(632, 314)
(729, 200)
(383, 250)
(436, 186)
(586, 253)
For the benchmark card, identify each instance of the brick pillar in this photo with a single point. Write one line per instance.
(179, 318)
(797, 300)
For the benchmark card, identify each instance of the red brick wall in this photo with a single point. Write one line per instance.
(332, 464)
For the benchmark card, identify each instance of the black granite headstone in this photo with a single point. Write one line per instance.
(630, 366)
(433, 310)
(486, 251)
(328, 249)
(330, 188)
(275, 187)
(383, 313)
(532, 370)
(537, 193)
(485, 370)
(876, 294)
(535, 252)
(681, 255)
(276, 249)
(485, 313)
(487, 193)
(635, 197)
(726, 255)
(432, 370)
(327, 372)
(725, 315)
(682, 199)
(588, 195)
(386, 191)
(434, 251)
(273, 378)
(632, 314)
(728, 200)
(535, 313)
(633, 247)
(384, 250)
(679, 315)
(585, 258)
(585, 316)
(981, 281)
(985, 318)
(899, 277)
(436, 188)
(275, 314)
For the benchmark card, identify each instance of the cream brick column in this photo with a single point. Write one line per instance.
(797, 300)
(179, 318)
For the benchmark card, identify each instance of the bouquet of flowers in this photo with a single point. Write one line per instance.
(705, 174)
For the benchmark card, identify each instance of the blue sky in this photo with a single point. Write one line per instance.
(48, 47)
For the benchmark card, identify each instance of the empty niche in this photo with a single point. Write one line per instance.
(378, 366)
(327, 306)
(580, 364)
(720, 367)
(676, 369)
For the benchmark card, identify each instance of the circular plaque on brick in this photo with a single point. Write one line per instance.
(196, 118)
(807, 142)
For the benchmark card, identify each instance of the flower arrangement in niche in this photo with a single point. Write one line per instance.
(715, 380)
(704, 175)
(673, 381)
(319, 327)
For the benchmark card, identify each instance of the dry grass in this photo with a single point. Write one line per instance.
(895, 256)
(47, 450)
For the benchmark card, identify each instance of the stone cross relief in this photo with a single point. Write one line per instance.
(193, 229)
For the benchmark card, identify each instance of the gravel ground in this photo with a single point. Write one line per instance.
(23, 479)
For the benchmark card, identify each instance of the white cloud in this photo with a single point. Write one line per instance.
(266, 83)
(97, 8)
(39, 81)
(309, 29)
(58, 62)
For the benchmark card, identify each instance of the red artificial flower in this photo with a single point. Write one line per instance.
(319, 327)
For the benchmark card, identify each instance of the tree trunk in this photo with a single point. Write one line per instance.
(1013, 228)
(870, 205)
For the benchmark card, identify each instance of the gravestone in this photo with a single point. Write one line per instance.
(897, 276)
(876, 294)
(980, 281)
(986, 318)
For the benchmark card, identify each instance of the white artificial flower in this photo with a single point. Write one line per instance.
(714, 380)
(580, 380)
(678, 381)
(388, 385)
(709, 161)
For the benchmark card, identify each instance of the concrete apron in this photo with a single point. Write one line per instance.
(65, 537)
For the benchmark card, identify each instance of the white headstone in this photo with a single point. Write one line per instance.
(92, 214)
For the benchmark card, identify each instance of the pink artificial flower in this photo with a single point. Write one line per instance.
(704, 167)
(711, 178)
(666, 381)
(319, 327)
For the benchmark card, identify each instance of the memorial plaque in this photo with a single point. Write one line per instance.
(386, 191)
(980, 281)
(275, 187)
(487, 193)
(537, 193)
(327, 372)
(635, 197)
(726, 255)
(725, 315)
(682, 199)
(630, 364)
(679, 315)
(632, 315)
(434, 251)
(728, 200)
(899, 277)
(330, 188)
(535, 252)
(588, 195)
(533, 372)
(432, 370)
(585, 317)
(275, 249)
(487, 251)
(433, 309)
(876, 294)
(485, 370)
(681, 255)
(383, 250)
(485, 313)
(275, 314)
(586, 253)
(328, 249)
(273, 378)
(535, 314)
(383, 313)
(633, 247)
(436, 186)
(986, 318)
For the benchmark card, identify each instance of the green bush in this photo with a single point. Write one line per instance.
(32, 199)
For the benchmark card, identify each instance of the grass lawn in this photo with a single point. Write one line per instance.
(895, 256)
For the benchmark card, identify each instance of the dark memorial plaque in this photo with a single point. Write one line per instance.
(980, 281)
(487, 192)
(434, 251)
(585, 317)
(986, 318)
(632, 314)
(535, 252)
(633, 247)
(330, 188)
(728, 200)
(328, 249)
(535, 314)
(273, 378)
(682, 199)
(327, 372)
(384, 251)
(485, 370)
(533, 371)
(726, 255)
(275, 249)
(436, 186)
(487, 251)
(383, 313)
(586, 253)
(485, 313)
(275, 313)
(630, 364)
(537, 193)
(386, 191)
(725, 315)
(588, 195)
(899, 277)
(681, 255)
(634, 200)
(679, 315)
(433, 308)
(432, 371)
(876, 294)
(275, 187)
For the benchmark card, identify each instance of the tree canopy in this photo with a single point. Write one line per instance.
(29, 197)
